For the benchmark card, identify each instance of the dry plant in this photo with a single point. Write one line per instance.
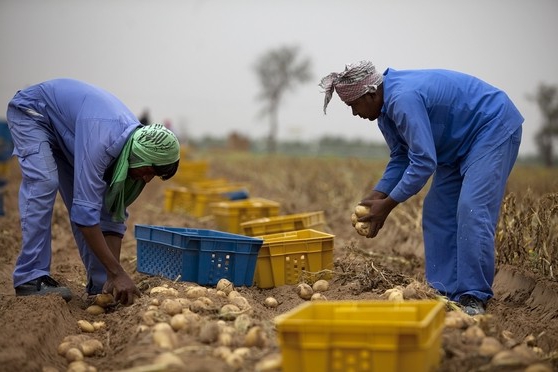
(527, 233)
(364, 267)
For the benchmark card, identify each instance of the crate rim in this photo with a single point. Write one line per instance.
(221, 235)
(279, 218)
(285, 321)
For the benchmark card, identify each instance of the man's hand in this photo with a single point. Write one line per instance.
(122, 287)
(380, 206)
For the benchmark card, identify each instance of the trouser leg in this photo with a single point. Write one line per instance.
(96, 274)
(37, 193)
(439, 222)
(479, 207)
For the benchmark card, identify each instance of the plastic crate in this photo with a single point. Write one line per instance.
(195, 201)
(368, 335)
(196, 255)
(177, 199)
(285, 258)
(189, 171)
(279, 224)
(230, 214)
(202, 197)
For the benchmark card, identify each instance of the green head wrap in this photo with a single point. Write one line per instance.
(152, 145)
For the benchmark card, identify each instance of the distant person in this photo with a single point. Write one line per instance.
(458, 129)
(144, 118)
(82, 141)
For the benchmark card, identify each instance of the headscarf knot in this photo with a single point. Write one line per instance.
(356, 80)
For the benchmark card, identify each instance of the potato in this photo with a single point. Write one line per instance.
(242, 322)
(490, 346)
(271, 302)
(90, 347)
(506, 359)
(229, 312)
(163, 336)
(164, 291)
(73, 354)
(64, 347)
(225, 339)
(179, 321)
(362, 228)
(396, 296)
(80, 366)
(104, 300)
(242, 351)
(232, 294)
(95, 310)
(354, 219)
(473, 335)
(171, 306)
(222, 352)
(150, 317)
(200, 306)
(241, 302)
(99, 325)
(525, 353)
(162, 327)
(304, 291)
(458, 320)
(255, 337)
(318, 297)
(320, 286)
(85, 326)
(269, 363)
(225, 285)
(362, 210)
(169, 359)
(196, 292)
(209, 332)
(234, 361)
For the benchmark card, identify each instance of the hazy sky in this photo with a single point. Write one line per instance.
(191, 62)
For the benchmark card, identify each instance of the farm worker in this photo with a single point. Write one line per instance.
(458, 129)
(82, 141)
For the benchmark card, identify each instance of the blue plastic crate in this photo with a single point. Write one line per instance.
(196, 255)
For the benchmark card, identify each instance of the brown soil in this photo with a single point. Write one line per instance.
(523, 312)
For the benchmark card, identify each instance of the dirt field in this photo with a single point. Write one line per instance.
(522, 320)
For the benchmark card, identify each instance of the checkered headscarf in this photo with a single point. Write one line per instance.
(357, 79)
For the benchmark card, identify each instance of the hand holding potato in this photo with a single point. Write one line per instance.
(372, 213)
(122, 287)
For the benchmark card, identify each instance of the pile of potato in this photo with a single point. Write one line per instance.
(362, 228)
(503, 351)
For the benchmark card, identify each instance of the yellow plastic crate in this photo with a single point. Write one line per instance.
(230, 214)
(285, 257)
(289, 222)
(177, 199)
(195, 201)
(189, 171)
(202, 197)
(331, 336)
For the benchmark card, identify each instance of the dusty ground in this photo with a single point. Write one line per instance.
(523, 316)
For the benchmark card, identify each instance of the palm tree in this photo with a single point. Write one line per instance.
(279, 70)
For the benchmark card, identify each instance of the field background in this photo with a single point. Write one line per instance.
(523, 313)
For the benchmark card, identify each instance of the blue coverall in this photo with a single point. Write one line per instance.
(466, 133)
(66, 135)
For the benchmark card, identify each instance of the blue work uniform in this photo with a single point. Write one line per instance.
(466, 133)
(67, 134)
